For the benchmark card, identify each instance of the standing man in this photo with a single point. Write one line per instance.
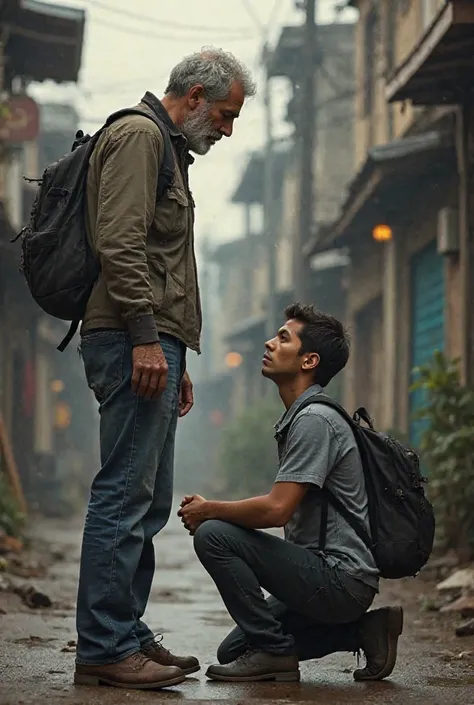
(143, 313)
(320, 594)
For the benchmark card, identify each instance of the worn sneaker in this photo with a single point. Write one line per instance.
(136, 671)
(155, 651)
(257, 666)
(379, 631)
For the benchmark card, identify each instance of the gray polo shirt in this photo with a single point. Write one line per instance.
(320, 449)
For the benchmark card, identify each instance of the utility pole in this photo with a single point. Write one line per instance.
(268, 204)
(308, 146)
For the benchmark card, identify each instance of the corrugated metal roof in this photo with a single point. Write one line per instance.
(406, 146)
(75, 14)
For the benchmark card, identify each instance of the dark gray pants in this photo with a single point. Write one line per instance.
(313, 609)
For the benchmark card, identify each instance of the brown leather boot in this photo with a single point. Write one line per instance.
(379, 631)
(256, 666)
(155, 651)
(136, 671)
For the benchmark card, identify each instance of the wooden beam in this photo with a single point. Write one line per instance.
(420, 54)
(11, 468)
(462, 149)
(359, 200)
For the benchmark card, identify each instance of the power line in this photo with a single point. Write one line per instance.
(273, 14)
(162, 37)
(165, 23)
(253, 15)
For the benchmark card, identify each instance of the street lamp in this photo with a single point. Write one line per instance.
(233, 360)
(382, 233)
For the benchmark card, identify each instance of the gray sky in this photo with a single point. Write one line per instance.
(124, 56)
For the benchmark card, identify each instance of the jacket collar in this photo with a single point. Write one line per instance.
(152, 102)
(286, 419)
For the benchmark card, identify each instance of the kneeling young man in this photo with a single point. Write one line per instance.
(318, 598)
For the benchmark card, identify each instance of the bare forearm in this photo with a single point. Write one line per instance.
(254, 513)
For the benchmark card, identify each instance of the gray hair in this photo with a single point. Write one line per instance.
(215, 69)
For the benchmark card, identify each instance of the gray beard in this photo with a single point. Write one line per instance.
(197, 128)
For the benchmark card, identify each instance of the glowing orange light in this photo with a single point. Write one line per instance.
(62, 416)
(382, 233)
(57, 386)
(233, 359)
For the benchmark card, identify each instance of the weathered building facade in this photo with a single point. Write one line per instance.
(401, 220)
(44, 402)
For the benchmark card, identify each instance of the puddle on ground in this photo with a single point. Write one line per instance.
(171, 596)
(441, 682)
(34, 641)
(218, 620)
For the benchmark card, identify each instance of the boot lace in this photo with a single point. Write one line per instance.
(157, 644)
(139, 660)
(245, 657)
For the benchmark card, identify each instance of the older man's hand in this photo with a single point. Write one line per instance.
(193, 512)
(186, 396)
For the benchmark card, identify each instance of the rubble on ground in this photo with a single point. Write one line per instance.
(70, 648)
(441, 567)
(458, 582)
(9, 544)
(16, 566)
(466, 629)
(454, 594)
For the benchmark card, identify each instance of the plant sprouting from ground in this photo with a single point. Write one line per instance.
(447, 446)
(11, 519)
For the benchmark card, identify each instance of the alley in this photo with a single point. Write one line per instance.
(36, 663)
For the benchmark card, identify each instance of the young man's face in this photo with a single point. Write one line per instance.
(282, 359)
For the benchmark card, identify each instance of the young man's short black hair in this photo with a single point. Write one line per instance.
(322, 334)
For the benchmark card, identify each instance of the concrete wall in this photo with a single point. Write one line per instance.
(367, 267)
(380, 366)
(379, 277)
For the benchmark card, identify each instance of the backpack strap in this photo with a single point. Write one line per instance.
(166, 175)
(69, 336)
(327, 497)
(329, 401)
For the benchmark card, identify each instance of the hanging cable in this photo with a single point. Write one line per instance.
(167, 23)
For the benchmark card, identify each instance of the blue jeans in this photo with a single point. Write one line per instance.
(130, 500)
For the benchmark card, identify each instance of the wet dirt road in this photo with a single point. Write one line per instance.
(36, 665)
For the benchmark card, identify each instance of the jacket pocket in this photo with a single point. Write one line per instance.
(166, 289)
(172, 212)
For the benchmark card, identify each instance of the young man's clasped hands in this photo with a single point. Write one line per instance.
(193, 512)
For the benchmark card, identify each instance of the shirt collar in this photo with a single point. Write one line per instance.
(157, 106)
(287, 417)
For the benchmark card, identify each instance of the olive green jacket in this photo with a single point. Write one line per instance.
(148, 282)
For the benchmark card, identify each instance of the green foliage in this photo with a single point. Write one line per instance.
(447, 446)
(4, 112)
(11, 519)
(248, 450)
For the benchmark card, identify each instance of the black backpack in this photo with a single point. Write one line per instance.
(58, 263)
(402, 523)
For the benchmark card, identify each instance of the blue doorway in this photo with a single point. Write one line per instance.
(427, 322)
